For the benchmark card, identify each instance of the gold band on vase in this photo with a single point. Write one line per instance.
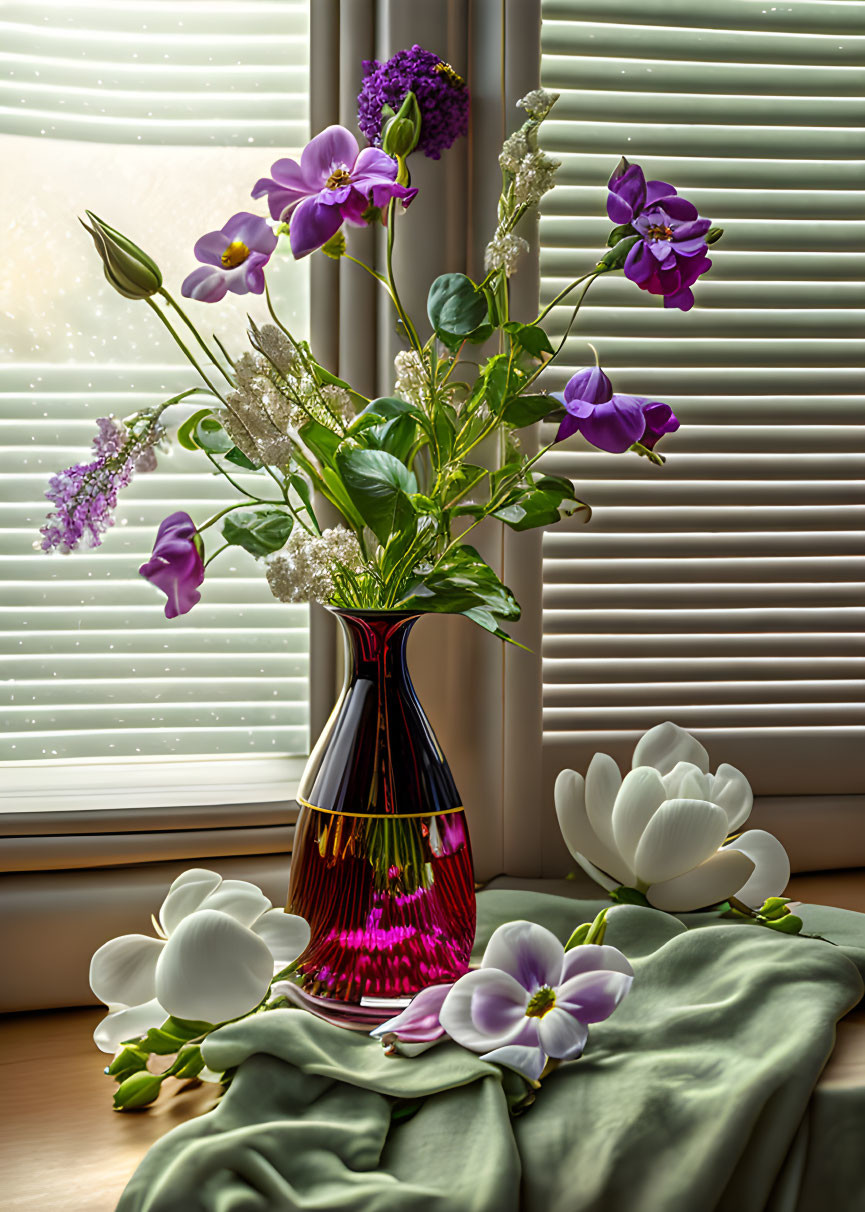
(379, 816)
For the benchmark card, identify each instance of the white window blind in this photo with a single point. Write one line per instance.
(725, 590)
(158, 115)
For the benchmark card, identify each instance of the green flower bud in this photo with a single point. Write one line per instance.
(713, 235)
(189, 1063)
(402, 131)
(791, 924)
(139, 1090)
(126, 1062)
(774, 907)
(579, 936)
(129, 270)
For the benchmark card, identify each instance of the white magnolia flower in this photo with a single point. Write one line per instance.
(221, 943)
(664, 828)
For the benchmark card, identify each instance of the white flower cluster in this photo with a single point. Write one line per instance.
(274, 396)
(504, 251)
(538, 103)
(303, 570)
(535, 175)
(411, 381)
(514, 150)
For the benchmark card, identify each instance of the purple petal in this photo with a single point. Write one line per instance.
(593, 996)
(590, 386)
(561, 1035)
(210, 248)
(679, 208)
(419, 1022)
(335, 147)
(663, 252)
(205, 284)
(457, 1012)
(657, 192)
(627, 193)
(372, 167)
(312, 225)
(528, 952)
(660, 419)
(255, 232)
(280, 202)
(690, 248)
(289, 174)
(683, 299)
(591, 957)
(614, 426)
(569, 426)
(639, 263)
(526, 1060)
(383, 192)
(687, 231)
(254, 278)
(176, 566)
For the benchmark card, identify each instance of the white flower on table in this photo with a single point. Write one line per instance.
(221, 944)
(662, 829)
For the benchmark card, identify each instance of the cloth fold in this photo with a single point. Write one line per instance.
(693, 1097)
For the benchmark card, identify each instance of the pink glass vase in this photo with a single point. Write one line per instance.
(381, 866)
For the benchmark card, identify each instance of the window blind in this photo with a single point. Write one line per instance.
(158, 115)
(723, 591)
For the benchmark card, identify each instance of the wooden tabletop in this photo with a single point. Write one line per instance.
(61, 1144)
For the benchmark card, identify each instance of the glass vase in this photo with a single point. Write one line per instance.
(381, 865)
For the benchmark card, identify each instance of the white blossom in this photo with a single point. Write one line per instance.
(411, 381)
(535, 175)
(504, 251)
(514, 150)
(303, 570)
(538, 103)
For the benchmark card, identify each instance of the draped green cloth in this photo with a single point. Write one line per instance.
(695, 1096)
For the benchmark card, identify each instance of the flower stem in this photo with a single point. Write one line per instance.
(186, 320)
(563, 294)
(186, 351)
(215, 553)
(401, 312)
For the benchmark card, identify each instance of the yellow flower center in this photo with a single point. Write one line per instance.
(453, 78)
(235, 254)
(659, 231)
(338, 178)
(541, 1002)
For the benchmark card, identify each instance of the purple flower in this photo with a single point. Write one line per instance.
(332, 183)
(670, 255)
(85, 495)
(530, 1000)
(417, 1027)
(610, 422)
(441, 95)
(175, 565)
(234, 259)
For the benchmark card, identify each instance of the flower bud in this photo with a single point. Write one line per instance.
(189, 1063)
(126, 1062)
(790, 924)
(402, 132)
(713, 235)
(139, 1090)
(129, 270)
(774, 907)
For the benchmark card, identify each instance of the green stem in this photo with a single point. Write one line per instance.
(401, 312)
(563, 294)
(216, 553)
(186, 351)
(234, 484)
(186, 320)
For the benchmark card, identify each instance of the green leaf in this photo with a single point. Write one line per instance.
(303, 488)
(388, 407)
(379, 486)
(628, 896)
(459, 582)
(531, 337)
(791, 924)
(335, 246)
(619, 233)
(129, 1060)
(323, 442)
(236, 456)
(615, 258)
(160, 1042)
(542, 503)
(186, 430)
(397, 436)
(455, 305)
(210, 436)
(258, 531)
(520, 411)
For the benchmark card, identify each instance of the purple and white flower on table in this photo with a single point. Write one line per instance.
(333, 183)
(610, 422)
(176, 565)
(220, 943)
(670, 254)
(233, 259)
(667, 828)
(529, 1002)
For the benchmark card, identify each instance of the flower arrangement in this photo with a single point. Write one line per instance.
(404, 471)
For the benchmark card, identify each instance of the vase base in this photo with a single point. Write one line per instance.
(369, 1012)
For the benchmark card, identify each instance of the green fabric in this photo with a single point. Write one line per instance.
(693, 1097)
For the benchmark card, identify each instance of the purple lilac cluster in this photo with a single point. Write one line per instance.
(441, 95)
(85, 495)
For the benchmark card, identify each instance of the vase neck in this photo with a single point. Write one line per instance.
(376, 643)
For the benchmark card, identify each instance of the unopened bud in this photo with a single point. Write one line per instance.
(401, 132)
(791, 924)
(713, 235)
(774, 907)
(129, 270)
(139, 1090)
